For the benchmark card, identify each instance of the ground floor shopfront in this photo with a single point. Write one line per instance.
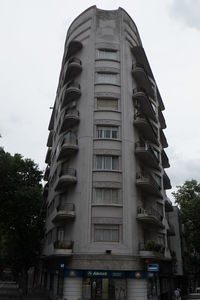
(101, 284)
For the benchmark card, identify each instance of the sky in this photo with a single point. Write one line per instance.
(32, 35)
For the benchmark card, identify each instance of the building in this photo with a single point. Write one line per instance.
(106, 229)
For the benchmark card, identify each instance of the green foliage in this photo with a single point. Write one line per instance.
(21, 211)
(188, 199)
(151, 245)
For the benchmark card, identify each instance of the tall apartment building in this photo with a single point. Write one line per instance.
(106, 228)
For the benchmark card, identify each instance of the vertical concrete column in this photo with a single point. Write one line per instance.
(72, 289)
(136, 289)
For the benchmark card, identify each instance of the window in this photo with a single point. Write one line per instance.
(104, 132)
(107, 162)
(110, 104)
(106, 233)
(60, 234)
(106, 196)
(107, 78)
(106, 54)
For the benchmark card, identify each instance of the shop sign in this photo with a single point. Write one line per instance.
(153, 267)
(104, 274)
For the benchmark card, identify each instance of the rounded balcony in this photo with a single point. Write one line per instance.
(71, 91)
(72, 68)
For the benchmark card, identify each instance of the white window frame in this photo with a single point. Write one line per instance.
(107, 132)
(106, 196)
(107, 162)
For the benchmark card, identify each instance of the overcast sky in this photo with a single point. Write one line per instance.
(31, 48)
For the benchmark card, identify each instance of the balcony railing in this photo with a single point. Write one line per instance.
(67, 177)
(69, 146)
(150, 183)
(46, 173)
(72, 68)
(70, 118)
(63, 212)
(48, 156)
(66, 207)
(65, 244)
(166, 181)
(73, 47)
(148, 154)
(50, 139)
(142, 78)
(168, 204)
(150, 212)
(165, 160)
(142, 100)
(46, 190)
(161, 119)
(151, 250)
(145, 127)
(71, 91)
(163, 139)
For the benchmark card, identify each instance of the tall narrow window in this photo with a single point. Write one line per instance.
(104, 162)
(60, 234)
(107, 54)
(110, 78)
(104, 132)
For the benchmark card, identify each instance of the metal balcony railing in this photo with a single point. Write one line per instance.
(147, 147)
(68, 171)
(152, 245)
(140, 116)
(150, 212)
(73, 84)
(151, 177)
(70, 138)
(66, 207)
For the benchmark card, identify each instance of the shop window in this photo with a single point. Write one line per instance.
(106, 196)
(107, 132)
(104, 162)
(104, 288)
(106, 54)
(106, 233)
(107, 104)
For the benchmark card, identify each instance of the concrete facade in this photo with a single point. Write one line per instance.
(105, 192)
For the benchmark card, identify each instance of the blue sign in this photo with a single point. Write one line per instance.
(104, 274)
(153, 267)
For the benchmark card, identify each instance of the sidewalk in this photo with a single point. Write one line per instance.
(36, 295)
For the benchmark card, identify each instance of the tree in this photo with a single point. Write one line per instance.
(188, 198)
(21, 212)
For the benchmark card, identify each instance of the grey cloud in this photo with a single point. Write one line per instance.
(187, 11)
